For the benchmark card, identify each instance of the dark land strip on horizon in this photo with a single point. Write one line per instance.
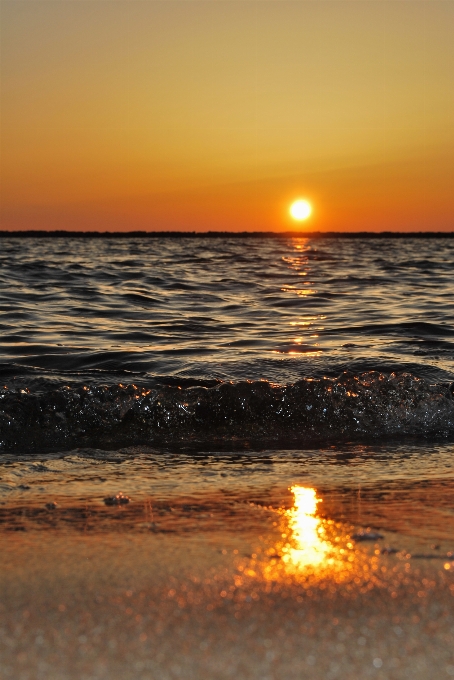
(61, 233)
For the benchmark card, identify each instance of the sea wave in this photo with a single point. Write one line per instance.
(370, 405)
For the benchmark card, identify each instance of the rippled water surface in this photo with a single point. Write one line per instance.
(237, 308)
(169, 338)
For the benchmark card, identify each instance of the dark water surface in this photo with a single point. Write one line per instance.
(150, 340)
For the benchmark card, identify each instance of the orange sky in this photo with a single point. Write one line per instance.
(216, 114)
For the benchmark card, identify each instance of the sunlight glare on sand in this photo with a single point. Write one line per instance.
(307, 546)
(313, 550)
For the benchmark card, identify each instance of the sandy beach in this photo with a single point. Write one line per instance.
(223, 574)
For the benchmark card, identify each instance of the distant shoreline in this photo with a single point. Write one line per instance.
(224, 234)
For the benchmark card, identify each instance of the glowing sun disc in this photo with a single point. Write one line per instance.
(300, 209)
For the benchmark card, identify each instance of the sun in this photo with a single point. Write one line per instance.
(300, 209)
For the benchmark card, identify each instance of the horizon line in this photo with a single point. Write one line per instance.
(63, 233)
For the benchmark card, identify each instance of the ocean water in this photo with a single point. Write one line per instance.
(203, 341)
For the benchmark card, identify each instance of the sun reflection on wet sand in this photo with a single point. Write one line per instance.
(316, 551)
(306, 545)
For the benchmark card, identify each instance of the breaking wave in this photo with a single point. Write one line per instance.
(370, 405)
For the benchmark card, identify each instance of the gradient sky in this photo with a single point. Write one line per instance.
(216, 114)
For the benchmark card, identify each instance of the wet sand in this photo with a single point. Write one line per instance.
(216, 570)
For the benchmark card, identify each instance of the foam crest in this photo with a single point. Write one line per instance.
(369, 405)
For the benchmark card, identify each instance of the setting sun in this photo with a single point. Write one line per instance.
(300, 209)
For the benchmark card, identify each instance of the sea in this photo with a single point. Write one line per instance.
(229, 341)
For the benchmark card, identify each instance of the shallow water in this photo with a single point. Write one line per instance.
(398, 487)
